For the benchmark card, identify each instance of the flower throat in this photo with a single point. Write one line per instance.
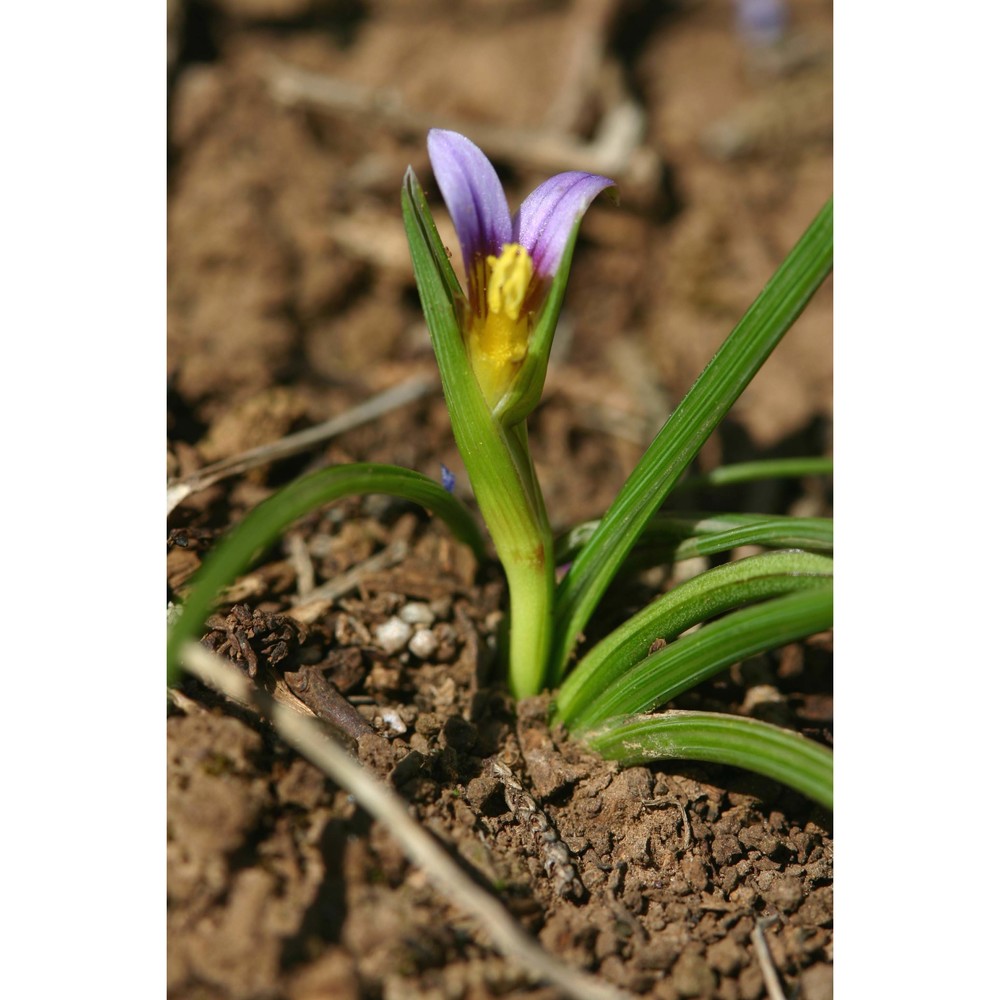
(499, 339)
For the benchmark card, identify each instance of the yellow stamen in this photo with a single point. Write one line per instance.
(509, 278)
(499, 340)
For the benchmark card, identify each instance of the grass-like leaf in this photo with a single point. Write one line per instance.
(768, 468)
(265, 523)
(682, 536)
(689, 426)
(440, 295)
(777, 753)
(705, 596)
(694, 657)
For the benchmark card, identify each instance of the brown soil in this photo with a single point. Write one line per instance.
(291, 300)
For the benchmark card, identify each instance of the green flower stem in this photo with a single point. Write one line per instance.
(509, 497)
(694, 657)
(530, 581)
(531, 586)
(523, 541)
(265, 523)
(705, 596)
(777, 753)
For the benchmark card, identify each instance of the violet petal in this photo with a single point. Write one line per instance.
(544, 221)
(473, 193)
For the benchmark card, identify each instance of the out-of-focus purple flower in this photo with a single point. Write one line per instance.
(509, 261)
(447, 478)
(761, 22)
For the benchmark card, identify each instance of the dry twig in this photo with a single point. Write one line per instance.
(310, 686)
(771, 980)
(617, 149)
(399, 395)
(320, 598)
(663, 803)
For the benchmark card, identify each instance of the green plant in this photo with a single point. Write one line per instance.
(492, 344)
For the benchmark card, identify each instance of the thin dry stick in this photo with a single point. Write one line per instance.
(298, 556)
(312, 604)
(371, 409)
(665, 801)
(617, 148)
(771, 980)
(420, 847)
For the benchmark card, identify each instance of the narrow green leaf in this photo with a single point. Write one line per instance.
(694, 657)
(674, 537)
(757, 746)
(770, 468)
(267, 521)
(810, 533)
(705, 596)
(439, 290)
(687, 429)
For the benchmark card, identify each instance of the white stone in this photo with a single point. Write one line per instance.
(393, 635)
(392, 720)
(416, 613)
(424, 643)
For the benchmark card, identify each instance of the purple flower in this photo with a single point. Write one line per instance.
(510, 262)
(447, 478)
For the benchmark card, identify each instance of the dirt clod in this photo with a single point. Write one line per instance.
(817, 983)
(692, 976)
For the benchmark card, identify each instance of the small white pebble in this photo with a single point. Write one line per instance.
(416, 613)
(424, 643)
(392, 720)
(761, 694)
(392, 635)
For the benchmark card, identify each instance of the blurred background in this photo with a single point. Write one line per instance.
(290, 292)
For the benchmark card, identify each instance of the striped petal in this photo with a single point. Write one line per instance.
(547, 217)
(473, 193)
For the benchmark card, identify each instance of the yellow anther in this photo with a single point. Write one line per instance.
(509, 279)
(498, 339)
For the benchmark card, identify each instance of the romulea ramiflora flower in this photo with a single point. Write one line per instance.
(510, 262)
